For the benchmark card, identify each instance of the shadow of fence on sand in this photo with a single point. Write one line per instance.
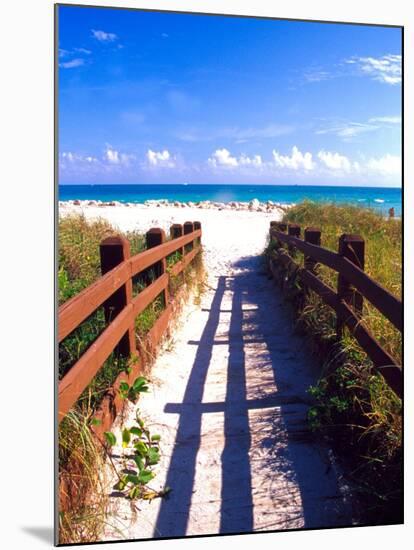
(296, 485)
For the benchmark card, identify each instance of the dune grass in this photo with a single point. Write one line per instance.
(353, 405)
(383, 255)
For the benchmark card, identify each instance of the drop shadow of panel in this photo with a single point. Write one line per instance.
(289, 447)
(174, 511)
(45, 534)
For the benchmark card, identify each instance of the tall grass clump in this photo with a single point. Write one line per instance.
(353, 404)
(83, 500)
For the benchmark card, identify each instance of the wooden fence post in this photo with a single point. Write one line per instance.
(312, 236)
(176, 231)
(113, 251)
(279, 226)
(293, 231)
(197, 225)
(188, 228)
(154, 237)
(351, 247)
(273, 225)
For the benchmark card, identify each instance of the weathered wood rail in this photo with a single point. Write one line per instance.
(354, 285)
(113, 291)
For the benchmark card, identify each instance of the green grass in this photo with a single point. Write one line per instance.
(353, 405)
(79, 267)
(383, 255)
(79, 259)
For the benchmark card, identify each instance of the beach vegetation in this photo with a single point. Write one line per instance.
(353, 405)
(83, 487)
(139, 453)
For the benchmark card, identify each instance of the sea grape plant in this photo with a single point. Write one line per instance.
(140, 450)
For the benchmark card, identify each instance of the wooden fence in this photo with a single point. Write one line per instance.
(354, 285)
(113, 291)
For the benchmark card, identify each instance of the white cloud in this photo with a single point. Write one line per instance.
(238, 135)
(386, 69)
(111, 155)
(349, 130)
(296, 161)
(103, 36)
(269, 131)
(115, 157)
(250, 161)
(68, 156)
(388, 165)
(160, 158)
(334, 161)
(76, 158)
(222, 157)
(386, 119)
(83, 50)
(355, 129)
(72, 64)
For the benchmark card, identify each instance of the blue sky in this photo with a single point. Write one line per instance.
(171, 98)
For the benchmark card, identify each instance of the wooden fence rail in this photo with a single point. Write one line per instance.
(113, 291)
(353, 286)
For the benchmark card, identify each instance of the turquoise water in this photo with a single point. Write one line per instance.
(380, 198)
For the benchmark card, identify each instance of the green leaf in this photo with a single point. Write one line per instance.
(123, 389)
(140, 384)
(124, 386)
(145, 476)
(96, 422)
(136, 431)
(131, 478)
(110, 438)
(155, 437)
(139, 462)
(126, 437)
(153, 456)
(132, 395)
(141, 448)
(135, 492)
(120, 486)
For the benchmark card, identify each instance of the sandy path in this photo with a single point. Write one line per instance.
(229, 400)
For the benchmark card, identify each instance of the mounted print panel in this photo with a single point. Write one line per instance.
(229, 274)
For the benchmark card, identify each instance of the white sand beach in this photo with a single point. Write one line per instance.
(229, 233)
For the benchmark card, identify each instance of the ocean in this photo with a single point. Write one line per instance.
(379, 198)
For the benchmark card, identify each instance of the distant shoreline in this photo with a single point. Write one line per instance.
(381, 199)
(252, 206)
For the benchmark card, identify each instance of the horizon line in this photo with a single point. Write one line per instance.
(65, 184)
